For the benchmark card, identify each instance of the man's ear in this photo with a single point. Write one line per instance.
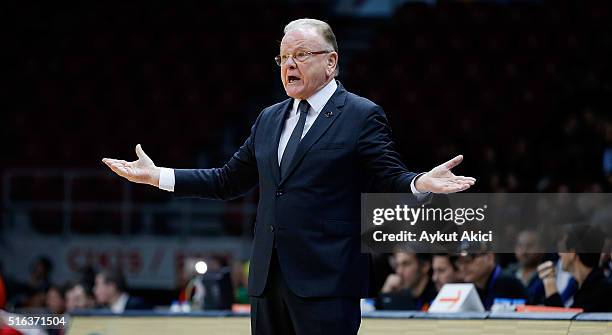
(426, 267)
(572, 255)
(332, 63)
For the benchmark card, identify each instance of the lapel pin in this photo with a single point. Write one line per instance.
(329, 114)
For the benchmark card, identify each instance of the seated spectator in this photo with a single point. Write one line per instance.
(55, 304)
(78, 297)
(566, 285)
(55, 299)
(110, 291)
(482, 270)
(445, 270)
(240, 279)
(33, 294)
(594, 289)
(410, 287)
(529, 253)
(35, 299)
(40, 274)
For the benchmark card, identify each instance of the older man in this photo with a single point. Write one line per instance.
(482, 270)
(311, 155)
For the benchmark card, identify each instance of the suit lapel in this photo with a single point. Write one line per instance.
(276, 128)
(323, 121)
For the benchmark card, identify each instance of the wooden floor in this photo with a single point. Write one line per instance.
(97, 325)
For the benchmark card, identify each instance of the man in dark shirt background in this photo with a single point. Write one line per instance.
(594, 289)
(410, 287)
(482, 270)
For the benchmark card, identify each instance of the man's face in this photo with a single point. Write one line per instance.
(407, 267)
(566, 259)
(76, 298)
(476, 267)
(302, 79)
(103, 290)
(566, 255)
(55, 301)
(527, 249)
(443, 271)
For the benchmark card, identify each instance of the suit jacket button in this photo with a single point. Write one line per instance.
(271, 228)
(279, 192)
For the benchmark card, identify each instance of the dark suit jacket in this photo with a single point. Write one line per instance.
(500, 285)
(314, 211)
(136, 303)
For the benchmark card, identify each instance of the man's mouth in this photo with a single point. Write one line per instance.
(292, 79)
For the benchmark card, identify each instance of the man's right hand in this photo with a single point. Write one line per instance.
(548, 274)
(142, 171)
(392, 284)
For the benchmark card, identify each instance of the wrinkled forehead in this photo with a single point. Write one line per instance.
(301, 39)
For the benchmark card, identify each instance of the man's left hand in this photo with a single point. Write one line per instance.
(441, 180)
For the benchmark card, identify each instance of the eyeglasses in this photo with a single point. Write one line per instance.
(300, 56)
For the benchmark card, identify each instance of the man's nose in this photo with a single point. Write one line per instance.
(290, 63)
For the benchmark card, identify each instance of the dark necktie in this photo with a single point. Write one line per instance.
(295, 138)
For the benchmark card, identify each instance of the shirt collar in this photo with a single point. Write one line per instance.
(119, 305)
(318, 100)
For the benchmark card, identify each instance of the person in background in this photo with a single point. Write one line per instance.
(529, 252)
(35, 299)
(411, 280)
(240, 279)
(55, 301)
(55, 304)
(39, 281)
(79, 296)
(445, 270)
(40, 274)
(110, 291)
(482, 270)
(566, 284)
(577, 257)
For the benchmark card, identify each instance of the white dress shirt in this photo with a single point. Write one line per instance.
(119, 305)
(317, 101)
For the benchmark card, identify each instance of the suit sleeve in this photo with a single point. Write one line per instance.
(238, 176)
(378, 155)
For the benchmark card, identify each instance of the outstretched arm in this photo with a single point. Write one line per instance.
(141, 171)
(442, 180)
(235, 178)
(382, 160)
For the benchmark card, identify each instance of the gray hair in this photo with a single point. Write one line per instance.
(321, 27)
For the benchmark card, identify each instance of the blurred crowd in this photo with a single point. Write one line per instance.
(569, 278)
(520, 89)
(406, 280)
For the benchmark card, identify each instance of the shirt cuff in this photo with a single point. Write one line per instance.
(413, 186)
(166, 179)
